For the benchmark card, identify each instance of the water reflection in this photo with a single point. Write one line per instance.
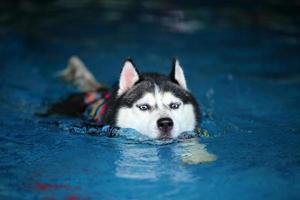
(140, 161)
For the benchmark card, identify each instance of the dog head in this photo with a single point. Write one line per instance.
(156, 105)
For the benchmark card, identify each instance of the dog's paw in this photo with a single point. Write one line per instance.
(78, 75)
(196, 153)
(198, 157)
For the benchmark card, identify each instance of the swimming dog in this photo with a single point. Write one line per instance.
(158, 106)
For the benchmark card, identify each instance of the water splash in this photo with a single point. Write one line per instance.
(88, 128)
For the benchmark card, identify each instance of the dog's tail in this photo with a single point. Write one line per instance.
(78, 75)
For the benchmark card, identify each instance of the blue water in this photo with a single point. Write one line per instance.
(246, 77)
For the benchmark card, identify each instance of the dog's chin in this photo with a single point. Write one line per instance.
(159, 135)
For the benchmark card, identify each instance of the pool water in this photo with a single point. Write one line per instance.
(245, 76)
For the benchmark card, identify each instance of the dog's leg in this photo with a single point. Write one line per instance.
(78, 75)
(73, 105)
(195, 153)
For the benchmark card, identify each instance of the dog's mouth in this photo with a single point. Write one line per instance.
(165, 136)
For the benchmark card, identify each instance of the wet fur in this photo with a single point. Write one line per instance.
(132, 86)
(146, 83)
(78, 75)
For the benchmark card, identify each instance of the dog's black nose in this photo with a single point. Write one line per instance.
(165, 125)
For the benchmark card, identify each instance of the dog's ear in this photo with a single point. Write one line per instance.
(129, 76)
(177, 74)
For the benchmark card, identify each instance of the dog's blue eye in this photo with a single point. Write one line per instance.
(174, 105)
(144, 107)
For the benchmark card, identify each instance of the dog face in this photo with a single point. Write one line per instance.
(158, 106)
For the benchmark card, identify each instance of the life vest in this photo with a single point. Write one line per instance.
(96, 103)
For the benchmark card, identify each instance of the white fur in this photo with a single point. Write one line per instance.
(128, 77)
(146, 121)
(179, 75)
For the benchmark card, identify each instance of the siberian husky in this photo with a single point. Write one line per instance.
(158, 106)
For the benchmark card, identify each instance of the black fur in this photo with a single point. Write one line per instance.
(73, 105)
